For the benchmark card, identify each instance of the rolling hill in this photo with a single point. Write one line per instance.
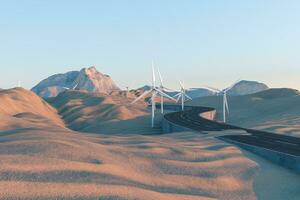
(273, 110)
(101, 113)
(20, 108)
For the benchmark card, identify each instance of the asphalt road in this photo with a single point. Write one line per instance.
(190, 118)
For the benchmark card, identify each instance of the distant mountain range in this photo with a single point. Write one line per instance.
(243, 87)
(88, 79)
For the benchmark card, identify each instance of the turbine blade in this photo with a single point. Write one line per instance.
(160, 77)
(213, 88)
(142, 96)
(165, 95)
(226, 103)
(75, 86)
(153, 108)
(177, 95)
(190, 98)
(169, 90)
(153, 75)
(177, 100)
(181, 85)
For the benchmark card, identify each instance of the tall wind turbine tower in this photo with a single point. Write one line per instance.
(225, 100)
(163, 89)
(154, 91)
(182, 95)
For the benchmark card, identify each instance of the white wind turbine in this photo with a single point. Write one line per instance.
(154, 91)
(163, 89)
(182, 95)
(73, 88)
(225, 101)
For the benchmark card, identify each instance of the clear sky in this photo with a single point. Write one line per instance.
(202, 42)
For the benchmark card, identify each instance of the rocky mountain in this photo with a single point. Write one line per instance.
(88, 79)
(93, 81)
(55, 84)
(245, 87)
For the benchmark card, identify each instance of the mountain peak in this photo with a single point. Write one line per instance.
(245, 87)
(92, 80)
(91, 70)
(89, 79)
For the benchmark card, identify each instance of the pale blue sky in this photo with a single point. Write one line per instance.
(208, 42)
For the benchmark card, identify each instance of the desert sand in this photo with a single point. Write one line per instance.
(41, 158)
(101, 113)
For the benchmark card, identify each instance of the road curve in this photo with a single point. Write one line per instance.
(191, 119)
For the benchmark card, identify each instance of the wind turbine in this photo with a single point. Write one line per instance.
(182, 95)
(73, 88)
(154, 90)
(225, 101)
(163, 89)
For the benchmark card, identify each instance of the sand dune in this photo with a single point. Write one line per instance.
(20, 108)
(101, 113)
(273, 110)
(42, 159)
(56, 163)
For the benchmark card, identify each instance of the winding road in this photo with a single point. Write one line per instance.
(190, 118)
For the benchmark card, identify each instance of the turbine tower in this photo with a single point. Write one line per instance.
(182, 95)
(225, 101)
(154, 90)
